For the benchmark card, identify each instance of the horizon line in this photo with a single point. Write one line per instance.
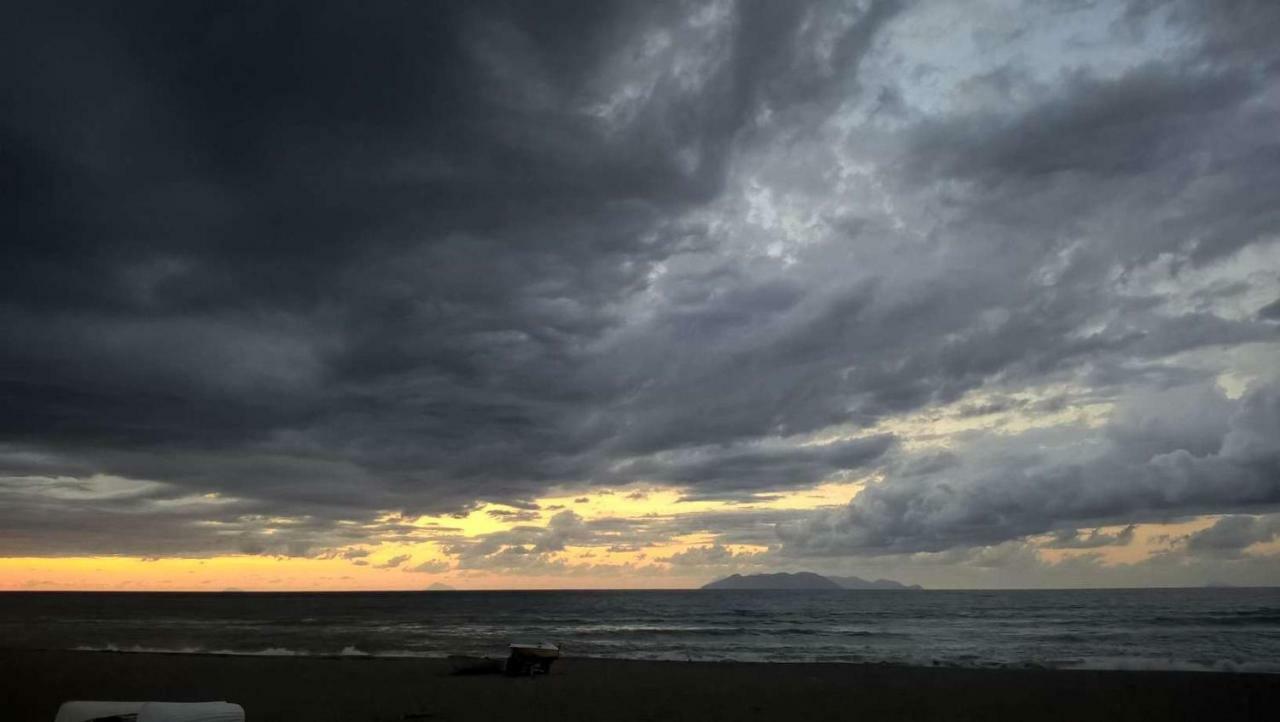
(623, 589)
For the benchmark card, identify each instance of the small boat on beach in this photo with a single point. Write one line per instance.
(531, 659)
(522, 660)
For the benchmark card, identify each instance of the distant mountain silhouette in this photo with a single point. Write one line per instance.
(440, 587)
(860, 583)
(782, 580)
(802, 580)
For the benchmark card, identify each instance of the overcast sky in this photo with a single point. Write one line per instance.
(980, 294)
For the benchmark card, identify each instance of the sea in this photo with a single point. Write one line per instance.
(1210, 629)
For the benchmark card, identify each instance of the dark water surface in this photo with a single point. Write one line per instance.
(1210, 629)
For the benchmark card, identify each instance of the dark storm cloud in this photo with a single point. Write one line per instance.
(40, 517)
(532, 544)
(740, 473)
(1133, 124)
(562, 529)
(429, 567)
(1158, 124)
(1036, 482)
(1230, 535)
(394, 561)
(329, 262)
(1073, 539)
(512, 515)
(310, 254)
(715, 555)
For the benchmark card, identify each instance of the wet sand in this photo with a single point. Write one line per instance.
(32, 684)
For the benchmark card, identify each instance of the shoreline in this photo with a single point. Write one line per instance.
(1139, 664)
(394, 688)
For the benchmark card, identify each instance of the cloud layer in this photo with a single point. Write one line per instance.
(323, 269)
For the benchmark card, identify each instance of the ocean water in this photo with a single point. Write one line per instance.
(1198, 629)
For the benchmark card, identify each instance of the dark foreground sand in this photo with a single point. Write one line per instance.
(32, 684)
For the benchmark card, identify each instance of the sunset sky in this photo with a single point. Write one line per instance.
(534, 295)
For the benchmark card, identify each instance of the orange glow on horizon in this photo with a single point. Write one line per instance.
(420, 563)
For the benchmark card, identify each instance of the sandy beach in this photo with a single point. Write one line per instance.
(320, 689)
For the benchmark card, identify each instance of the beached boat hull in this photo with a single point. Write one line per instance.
(531, 659)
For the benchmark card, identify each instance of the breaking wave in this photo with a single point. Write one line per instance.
(266, 652)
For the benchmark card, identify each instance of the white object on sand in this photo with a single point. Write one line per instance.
(194, 712)
(83, 711)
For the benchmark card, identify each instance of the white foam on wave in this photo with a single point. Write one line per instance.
(348, 651)
(1166, 664)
